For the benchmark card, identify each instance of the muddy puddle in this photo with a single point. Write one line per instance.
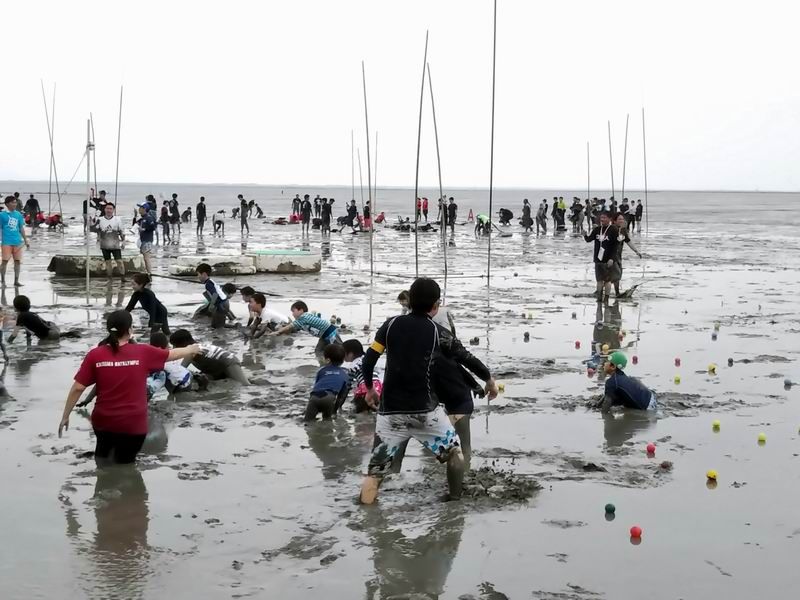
(233, 497)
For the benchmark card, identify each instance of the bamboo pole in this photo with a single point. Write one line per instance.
(624, 159)
(439, 168)
(611, 159)
(644, 149)
(50, 136)
(369, 168)
(119, 136)
(491, 146)
(416, 178)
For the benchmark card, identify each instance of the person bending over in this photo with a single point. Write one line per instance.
(33, 324)
(211, 360)
(143, 295)
(622, 390)
(330, 387)
(313, 324)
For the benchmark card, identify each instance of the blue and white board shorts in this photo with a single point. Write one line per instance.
(653, 402)
(431, 429)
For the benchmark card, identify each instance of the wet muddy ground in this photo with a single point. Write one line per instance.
(234, 497)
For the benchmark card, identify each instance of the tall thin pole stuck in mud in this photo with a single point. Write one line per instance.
(624, 158)
(50, 130)
(352, 167)
(644, 151)
(94, 155)
(369, 167)
(416, 177)
(360, 179)
(611, 159)
(491, 146)
(439, 167)
(588, 175)
(89, 149)
(374, 209)
(119, 136)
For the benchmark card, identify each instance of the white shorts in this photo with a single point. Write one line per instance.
(432, 429)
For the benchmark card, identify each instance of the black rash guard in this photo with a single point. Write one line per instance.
(410, 342)
(149, 302)
(451, 382)
(606, 239)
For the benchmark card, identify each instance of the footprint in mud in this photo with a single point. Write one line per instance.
(563, 523)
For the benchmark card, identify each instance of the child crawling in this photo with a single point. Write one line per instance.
(175, 377)
(213, 361)
(33, 324)
(330, 387)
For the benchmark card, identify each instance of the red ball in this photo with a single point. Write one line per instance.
(578, 345)
(651, 448)
(677, 362)
(635, 359)
(636, 531)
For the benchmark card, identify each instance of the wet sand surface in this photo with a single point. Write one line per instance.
(234, 497)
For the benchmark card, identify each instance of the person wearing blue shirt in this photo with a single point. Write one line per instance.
(217, 304)
(622, 390)
(331, 386)
(12, 230)
(316, 326)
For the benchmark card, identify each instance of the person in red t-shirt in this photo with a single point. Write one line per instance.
(425, 209)
(119, 369)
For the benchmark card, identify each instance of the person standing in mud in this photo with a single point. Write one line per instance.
(305, 215)
(624, 238)
(407, 408)
(175, 214)
(119, 370)
(527, 222)
(243, 214)
(317, 206)
(12, 238)
(638, 216)
(200, 215)
(147, 227)
(452, 214)
(606, 238)
(326, 211)
(541, 218)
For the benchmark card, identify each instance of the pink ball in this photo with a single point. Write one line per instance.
(636, 531)
(635, 359)
(677, 362)
(651, 448)
(577, 345)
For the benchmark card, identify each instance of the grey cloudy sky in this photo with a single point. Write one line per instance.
(268, 92)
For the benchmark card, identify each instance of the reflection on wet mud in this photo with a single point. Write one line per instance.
(621, 427)
(340, 446)
(118, 554)
(406, 565)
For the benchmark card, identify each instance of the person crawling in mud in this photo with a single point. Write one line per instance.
(33, 324)
(622, 390)
(354, 354)
(175, 376)
(213, 361)
(264, 320)
(407, 407)
(216, 301)
(331, 386)
(313, 324)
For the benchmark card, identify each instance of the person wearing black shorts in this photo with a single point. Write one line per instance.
(111, 235)
(606, 238)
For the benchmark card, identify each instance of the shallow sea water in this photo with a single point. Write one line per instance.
(235, 498)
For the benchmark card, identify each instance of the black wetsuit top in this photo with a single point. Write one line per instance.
(149, 302)
(452, 209)
(452, 384)
(411, 342)
(306, 209)
(33, 323)
(326, 208)
(609, 243)
(639, 210)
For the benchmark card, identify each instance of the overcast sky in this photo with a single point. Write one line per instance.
(268, 92)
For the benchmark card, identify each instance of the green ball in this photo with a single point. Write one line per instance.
(610, 508)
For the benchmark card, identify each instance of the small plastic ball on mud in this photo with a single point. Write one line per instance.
(366, 327)
(590, 372)
(714, 336)
(605, 348)
(787, 383)
(577, 344)
(762, 438)
(636, 531)
(716, 326)
(501, 387)
(711, 474)
(635, 359)
(677, 379)
(524, 315)
(527, 334)
(516, 274)
(610, 508)
(677, 362)
(715, 424)
(574, 315)
(651, 448)
(712, 369)
(730, 362)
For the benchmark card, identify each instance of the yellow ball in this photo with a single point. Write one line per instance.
(712, 369)
(605, 348)
(677, 378)
(501, 387)
(716, 424)
(762, 437)
(711, 474)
